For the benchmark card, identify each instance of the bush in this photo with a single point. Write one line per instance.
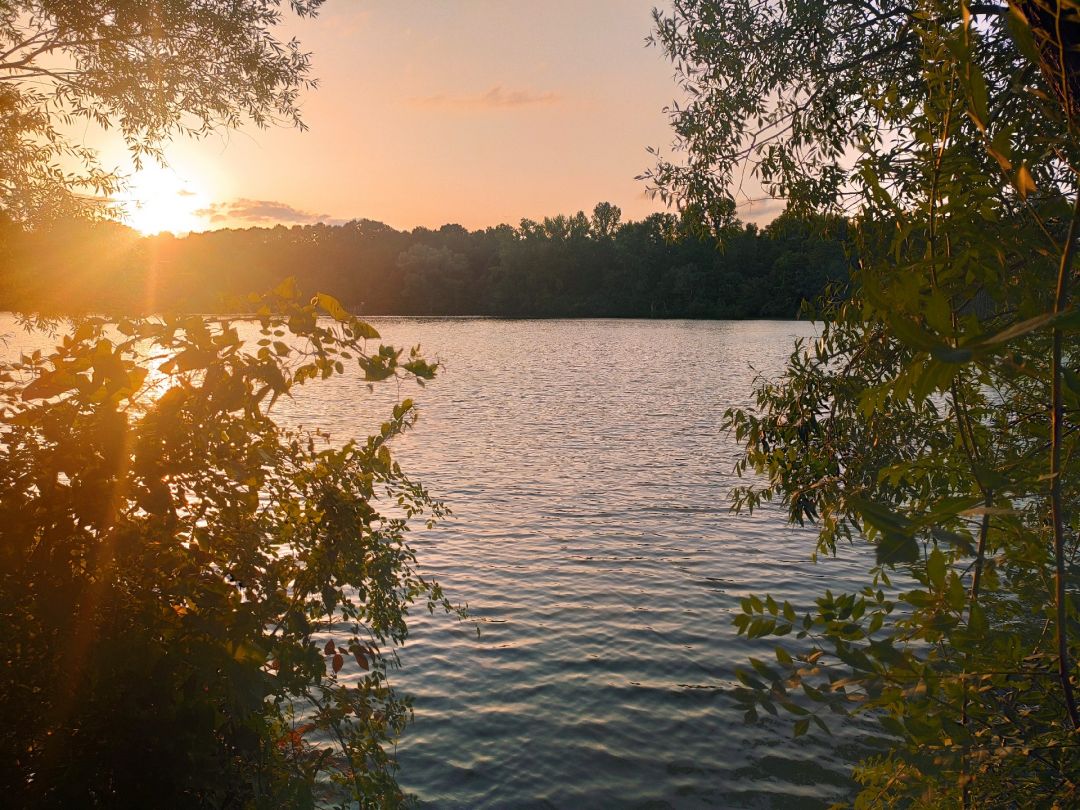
(185, 584)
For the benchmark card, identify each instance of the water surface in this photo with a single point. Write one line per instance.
(588, 474)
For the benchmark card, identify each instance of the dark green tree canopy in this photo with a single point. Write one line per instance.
(150, 70)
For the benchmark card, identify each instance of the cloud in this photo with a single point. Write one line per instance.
(494, 98)
(259, 212)
(761, 211)
(183, 192)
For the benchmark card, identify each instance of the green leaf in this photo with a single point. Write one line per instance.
(749, 680)
(980, 104)
(1021, 33)
(878, 515)
(894, 548)
(935, 569)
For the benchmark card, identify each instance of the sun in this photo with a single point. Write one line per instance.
(158, 200)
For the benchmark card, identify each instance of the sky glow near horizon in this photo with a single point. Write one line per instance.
(475, 112)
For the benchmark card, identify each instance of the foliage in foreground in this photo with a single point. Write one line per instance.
(195, 600)
(938, 416)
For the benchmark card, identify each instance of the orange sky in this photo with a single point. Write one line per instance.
(469, 111)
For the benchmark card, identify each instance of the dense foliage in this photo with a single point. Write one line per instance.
(937, 416)
(150, 70)
(197, 603)
(563, 266)
(195, 600)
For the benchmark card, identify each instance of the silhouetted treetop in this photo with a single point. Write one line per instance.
(567, 266)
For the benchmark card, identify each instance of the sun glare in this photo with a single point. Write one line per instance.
(159, 200)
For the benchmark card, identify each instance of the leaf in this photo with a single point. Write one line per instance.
(361, 659)
(1018, 329)
(947, 354)
(935, 376)
(760, 627)
(331, 306)
(337, 662)
(1022, 34)
(801, 727)
(914, 335)
(1000, 148)
(50, 384)
(894, 548)
(749, 680)
(980, 104)
(960, 541)
(879, 516)
(363, 329)
(191, 359)
(935, 569)
(1024, 182)
(328, 648)
(977, 511)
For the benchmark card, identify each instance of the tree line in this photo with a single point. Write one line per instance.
(563, 266)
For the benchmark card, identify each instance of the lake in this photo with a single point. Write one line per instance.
(588, 474)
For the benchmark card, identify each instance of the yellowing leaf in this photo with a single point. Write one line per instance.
(1025, 184)
(332, 307)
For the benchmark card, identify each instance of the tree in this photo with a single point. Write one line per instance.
(605, 220)
(936, 418)
(185, 584)
(182, 581)
(151, 70)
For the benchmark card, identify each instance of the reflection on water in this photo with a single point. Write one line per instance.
(588, 475)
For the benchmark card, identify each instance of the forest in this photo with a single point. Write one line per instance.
(202, 604)
(564, 266)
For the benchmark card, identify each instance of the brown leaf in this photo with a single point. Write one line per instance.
(338, 662)
(329, 649)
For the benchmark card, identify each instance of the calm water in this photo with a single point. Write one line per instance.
(588, 476)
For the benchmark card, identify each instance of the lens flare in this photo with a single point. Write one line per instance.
(159, 200)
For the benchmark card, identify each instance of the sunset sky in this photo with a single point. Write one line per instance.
(476, 112)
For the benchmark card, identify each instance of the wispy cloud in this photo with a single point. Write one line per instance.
(761, 211)
(183, 192)
(495, 98)
(259, 212)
